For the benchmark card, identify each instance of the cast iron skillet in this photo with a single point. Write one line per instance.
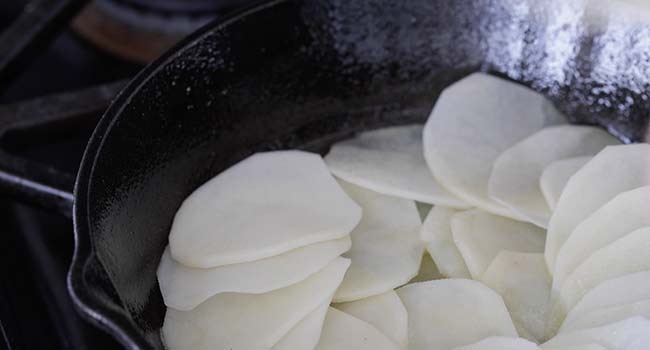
(303, 74)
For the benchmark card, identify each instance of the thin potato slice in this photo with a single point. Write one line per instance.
(625, 213)
(263, 206)
(524, 284)
(473, 121)
(386, 249)
(555, 177)
(614, 170)
(480, 236)
(390, 161)
(576, 347)
(627, 289)
(626, 255)
(439, 241)
(384, 312)
(444, 314)
(250, 321)
(344, 332)
(609, 315)
(516, 173)
(630, 334)
(184, 288)
(501, 343)
(305, 334)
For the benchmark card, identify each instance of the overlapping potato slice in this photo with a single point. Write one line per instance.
(345, 332)
(524, 284)
(609, 315)
(624, 256)
(384, 312)
(439, 241)
(627, 289)
(473, 121)
(304, 335)
(444, 314)
(614, 170)
(630, 334)
(515, 178)
(250, 321)
(556, 175)
(501, 343)
(386, 249)
(263, 206)
(183, 288)
(625, 213)
(480, 236)
(390, 161)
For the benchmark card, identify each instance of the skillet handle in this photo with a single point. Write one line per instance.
(32, 182)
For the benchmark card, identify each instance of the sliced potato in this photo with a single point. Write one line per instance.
(184, 288)
(625, 213)
(306, 333)
(624, 256)
(250, 321)
(390, 161)
(480, 236)
(516, 173)
(384, 312)
(473, 121)
(428, 270)
(524, 284)
(609, 315)
(630, 334)
(386, 249)
(614, 170)
(576, 347)
(345, 332)
(263, 206)
(439, 241)
(556, 175)
(501, 343)
(444, 314)
(623, 290)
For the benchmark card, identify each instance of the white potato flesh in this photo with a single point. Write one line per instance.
(473, 121)
(250, 321)
(305, 334)
(625, 213)
(501, 343)
(609, 315)
(576, 347)
(384, 312)
(390, 161)
(345, 332)
(516, 173)
(184, 288)
(444, 314)
(439, 241)
(626, 255)
(555, 177)
(263, 206)
(386, 249)
(428, 270)
(524, 284)
(623, 290)
(480, 236)
(630, 334)
(614, 170)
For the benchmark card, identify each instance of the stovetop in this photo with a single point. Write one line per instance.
(36, 246)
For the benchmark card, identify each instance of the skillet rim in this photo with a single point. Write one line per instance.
(99, 313)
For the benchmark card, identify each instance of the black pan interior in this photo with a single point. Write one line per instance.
(303, 74)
